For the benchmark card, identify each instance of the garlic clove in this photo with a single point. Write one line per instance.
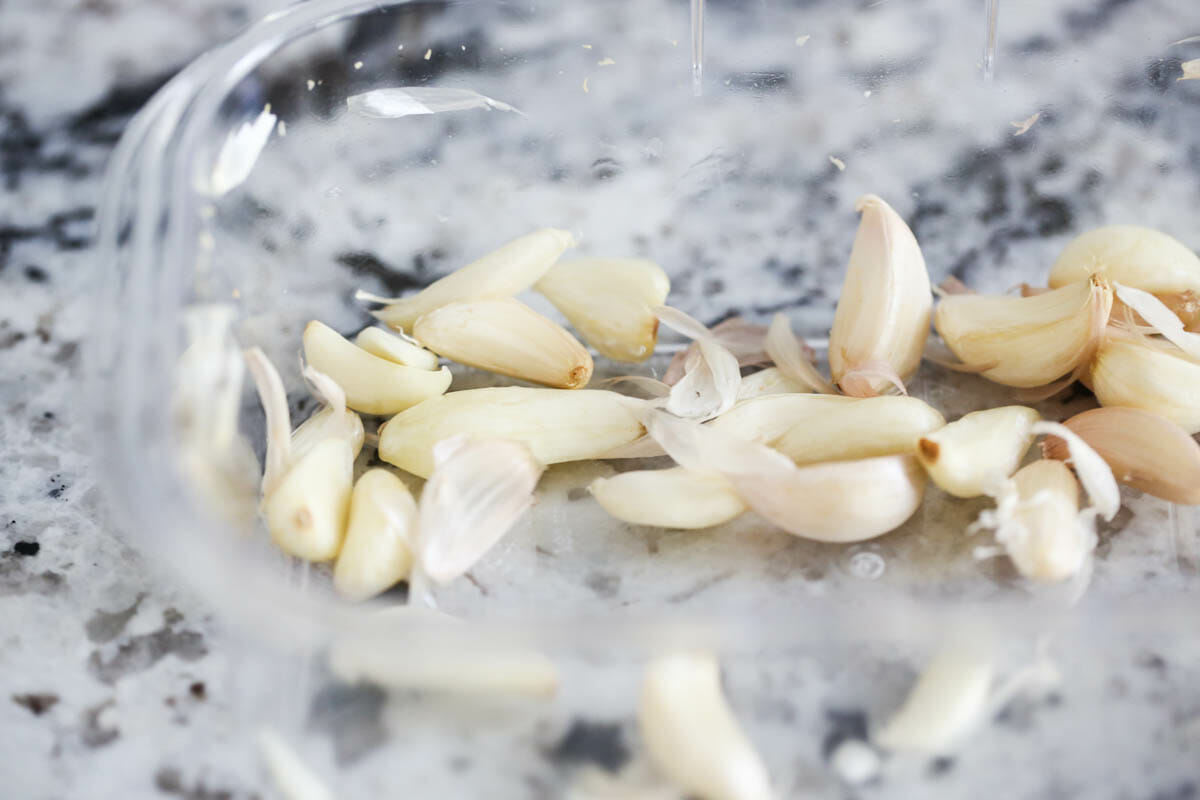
(1144, 450)
(692, 734)
(396, 347)
(767, 418)
(373, 385)
(505, 272)
(1137, 372)
(882, 316)
(1092, 471)
(610, 301)
(377, 551)
(328, 422)
(1130, 254)
(865, 428)
(974, 454)
(1026, 341)
(555, 425)
(768, 381)
(1045, 538)
(306, 513)
(668, 498)
(509, 338)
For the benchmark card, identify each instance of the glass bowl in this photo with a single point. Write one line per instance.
(745, 195)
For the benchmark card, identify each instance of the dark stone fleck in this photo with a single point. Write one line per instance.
(368, 265)
(36, 274)
(15, 580)
(198, 690)
(37, 702)
(1184, 791)
(66, 353)
(350, 715)
(604, 169)
(699, 586)
(940, 766)
(171, 616)
(104, 626)
(1051, 215)
(602, 584)
(1162, 72)
(585, 742)
(142, 652)
(168, 780)
(26, 548)
(10, 339)
(93, 735)
(578, 493)
(1153, 662)
(843, 725)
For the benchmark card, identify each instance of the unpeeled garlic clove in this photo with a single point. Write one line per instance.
(507, 337)
(396, 347)
(377, 551)
(1137, 372)
(373, 385)
(610, 301)
(505, 272)
(555, 425)
(668, 498)
(1026, 341)
(306, 513)
(882, 317)
(974, 454)
(1144, 450)
(692, 735)
(865, 428)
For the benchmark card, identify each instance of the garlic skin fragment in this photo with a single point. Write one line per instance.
(1144, 450)
(373, 385)
(1140, 257)
(668, 498)
(882, 318)
(610, 301)
(555, 425)
(974, 454)
(865, 428)
(506, 337)
(377, 551)
(791, 359)
(1153, 376)
(692, 735)
(711, 373)
(306, 513)
(511, 269)
(1026, 341)
(396, 347)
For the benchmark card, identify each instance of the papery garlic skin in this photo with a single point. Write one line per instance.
(555, 425)
(692, 735)
(306, 513)
(376, 553)
(396, 348)
(1143, 373)
(610, 301)
(373, 385)
(507, 337)
(325, 423)
(947, 702)
(1130, 254)
(882, 316)
(865, 428)
(668, 498)
(974, 454)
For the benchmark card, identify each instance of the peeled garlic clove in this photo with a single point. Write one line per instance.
(882, 316)
(306, 513)
(668, 498)
(692, 735)
(974, 454)
(866, 428)
(506, 337)
(1026, 341)
(328, 422)
(1142, 373)
(765, 419)
(377, 551)
(768, 381)
(502, 273)
(743, 339)
(1130, 254)
(1044, 536)
(373, 385)
(610, 301)
(1144, 450)
(555, 425)
(396, 348)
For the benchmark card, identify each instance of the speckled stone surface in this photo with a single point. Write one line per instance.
(114, 682)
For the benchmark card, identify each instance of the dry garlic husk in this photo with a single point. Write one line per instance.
(744, 339)
(866, 428)
(507, 337)
(1138, 372)
(373, 385)
(505, 272)
(555, 425)
(692, 735)
(791, 359)
(768, 381)
(396, 347)
(377, 551)
(1160, 318)
(882, 318)
(1026, 341)
(610, 301)
(1144, 450)
(1135, 256)
(845, 501)
(711, 373)
(974, 454)
(478, 490)
(391, 651)
(668, 498)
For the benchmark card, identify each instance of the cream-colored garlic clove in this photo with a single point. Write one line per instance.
(373, 385)
(610, 301)
(692, 734)
(395, 347)
(766, 418)
(974, 454)
(866, 428)
(507, 337)
(1137, 372)
(325, 423)
(668, 498)
(1026, 341)
(882, 318)
(306, 513)
(505, 272)
(1046, 539)
(768, 381)
(555, 425)
(1130, 254)
(377, 551)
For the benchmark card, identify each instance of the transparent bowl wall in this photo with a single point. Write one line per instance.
(746, 196)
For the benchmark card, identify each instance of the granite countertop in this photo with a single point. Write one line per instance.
(116, 682)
